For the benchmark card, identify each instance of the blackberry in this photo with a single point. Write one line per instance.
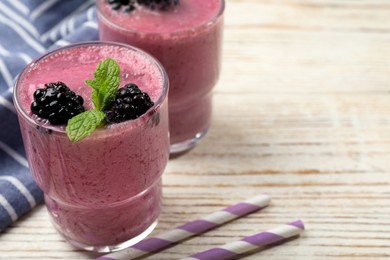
(130, 103)
(158, 4)
(56, 103)
(117, 4)
(130, 5)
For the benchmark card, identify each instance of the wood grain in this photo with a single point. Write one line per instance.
(302, 112)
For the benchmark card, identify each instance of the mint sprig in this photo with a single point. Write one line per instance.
(104, 86)
(105, 83)
(84, 124)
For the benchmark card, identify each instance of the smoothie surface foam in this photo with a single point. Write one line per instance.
(74, 66)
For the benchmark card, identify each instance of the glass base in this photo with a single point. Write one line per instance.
(184, 146)
(113, 248)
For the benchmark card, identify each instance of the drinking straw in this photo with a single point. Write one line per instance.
(236, 249)
(189, 229)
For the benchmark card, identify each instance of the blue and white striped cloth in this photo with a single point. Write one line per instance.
(28, 28)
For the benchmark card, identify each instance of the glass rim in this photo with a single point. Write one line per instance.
(206, 24)
(21, 111)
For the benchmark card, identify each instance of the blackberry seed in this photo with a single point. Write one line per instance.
(34, 107)
(139, 100)
(133, 89)
(39, 93)
(122, 92)
(129, 9)
(116, 6)
(81, 100)
(127, 100)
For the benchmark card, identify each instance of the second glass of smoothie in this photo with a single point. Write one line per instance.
(187, 39)
(104, 192)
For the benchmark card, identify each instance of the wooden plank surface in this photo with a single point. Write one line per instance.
(302, 112)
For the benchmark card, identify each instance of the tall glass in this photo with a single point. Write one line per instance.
(187, 40)
(103, 193)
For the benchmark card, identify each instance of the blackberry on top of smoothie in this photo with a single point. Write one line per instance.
(59, 105)
(131, 5)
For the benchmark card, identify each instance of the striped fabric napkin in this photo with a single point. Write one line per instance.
(29, 28)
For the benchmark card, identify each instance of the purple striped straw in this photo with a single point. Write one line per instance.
(193, 228)
(236, 249)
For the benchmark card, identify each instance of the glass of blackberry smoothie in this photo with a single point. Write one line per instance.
(94, 121)
(186, 37)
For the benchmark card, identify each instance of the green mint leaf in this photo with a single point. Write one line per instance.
(105, 83)
(84, 124)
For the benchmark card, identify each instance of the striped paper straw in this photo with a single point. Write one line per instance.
(193, 228)
(249, 244)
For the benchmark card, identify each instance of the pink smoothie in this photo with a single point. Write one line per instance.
(187, 40)
(105, 189)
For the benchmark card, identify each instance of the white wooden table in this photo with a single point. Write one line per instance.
(302, 112)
